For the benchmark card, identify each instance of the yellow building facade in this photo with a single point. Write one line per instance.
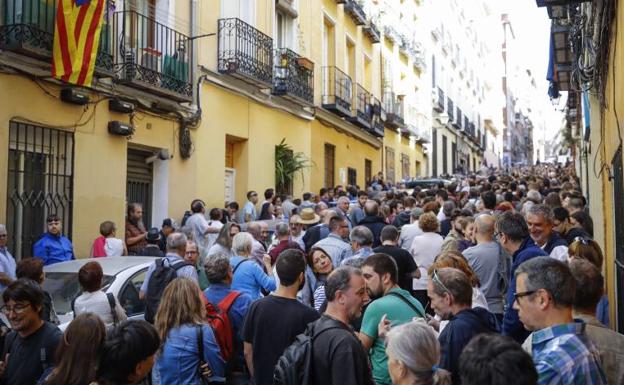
(175, 114)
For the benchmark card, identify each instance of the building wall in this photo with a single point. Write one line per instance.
(99, 158)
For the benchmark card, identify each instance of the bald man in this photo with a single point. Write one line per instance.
(489, 262)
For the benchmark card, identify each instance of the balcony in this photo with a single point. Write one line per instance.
(104, 61)
(372, 32)
(28, 27)
(152, 56)
(362, 115)
(355, 11)
(468, 127)
(245, 52)
(451, 110)
(293, 76)
(459, 119)
(394, 111)
(392, 34)
(337, 91)
(379, 116)
(438, 104)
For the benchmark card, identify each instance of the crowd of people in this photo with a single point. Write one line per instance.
(484, 279)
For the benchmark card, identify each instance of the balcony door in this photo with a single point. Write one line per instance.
(240, 9)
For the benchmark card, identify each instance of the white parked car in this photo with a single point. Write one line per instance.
(123, 276)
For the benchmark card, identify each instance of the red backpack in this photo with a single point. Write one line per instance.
(219, 320)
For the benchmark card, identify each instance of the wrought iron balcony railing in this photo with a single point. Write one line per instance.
(362, 114)
(439, 104)
(337, 91)
(450, 109)
(394, 110)
(152, 56)
(104, 62)
(245, 52)
(28, 27)
(372, 32)
(355, 11)
(379, 116)
(293, 76)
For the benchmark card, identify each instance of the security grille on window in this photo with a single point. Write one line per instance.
(389, 165)
(330, 159)
(352, 176)
(405, 166)
(40, 182)
(368, 170)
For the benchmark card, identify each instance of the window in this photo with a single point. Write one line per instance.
(405, 166)
(368, 171)
(418, 165)
(389, 165)
(241, 9)
(330, 164)
(129, 295)
(40, 182)
(350, 59)
(454, 156)
(329, 43)
(434, 147)
(444, 155)
(352, 176)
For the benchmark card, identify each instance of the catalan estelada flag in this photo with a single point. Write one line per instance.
(76, 39)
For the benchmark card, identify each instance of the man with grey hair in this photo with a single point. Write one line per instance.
(258, 250)
(338, 356)
(335, 245)
(234, 303)
(174, 259)
(342, 207)
(489, 264)
(545, 290)
(7, 262)
(282, 232)
(512, 234)
(540, 220)
(409, 232)
(362, 245)
(373, 221)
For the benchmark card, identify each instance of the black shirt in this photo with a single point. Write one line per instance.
(405, 264)
(338, 356)
(271, 325)
(30, 356)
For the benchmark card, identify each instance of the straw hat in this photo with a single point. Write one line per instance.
(307, 216)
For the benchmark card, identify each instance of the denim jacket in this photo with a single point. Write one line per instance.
(178, 361)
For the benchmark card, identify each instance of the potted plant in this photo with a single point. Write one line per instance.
(287, 164)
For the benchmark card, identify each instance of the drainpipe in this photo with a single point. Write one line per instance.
(194, 32)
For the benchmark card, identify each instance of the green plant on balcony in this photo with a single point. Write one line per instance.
(287, 165)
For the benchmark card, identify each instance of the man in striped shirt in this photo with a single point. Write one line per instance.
(561, 351)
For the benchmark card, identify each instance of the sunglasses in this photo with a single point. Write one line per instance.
(438, 282)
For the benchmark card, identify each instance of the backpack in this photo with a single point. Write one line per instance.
(111, 302)
(158, 281)
(219, 320)
(295, 365)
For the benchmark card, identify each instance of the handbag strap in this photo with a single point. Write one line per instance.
(410, 304)
(200, 345)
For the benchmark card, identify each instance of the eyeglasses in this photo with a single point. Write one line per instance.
(18, 309)
(583, 240)
(517, 296)
(437, 281)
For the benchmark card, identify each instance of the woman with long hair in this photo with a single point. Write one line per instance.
(183, 333)
(320, 265)
(77, 353)
(223, 243)
(413, 355)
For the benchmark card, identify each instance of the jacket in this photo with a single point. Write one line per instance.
(402, 219)
(375, 225)
(554, 241)
(336, 248)
(53, 249)
(459, 331)
(512, 326)
(250, 278)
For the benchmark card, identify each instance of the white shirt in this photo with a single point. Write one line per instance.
(560, 253)
(97, 303)
(114, 247)
(198, 223)
(212, 237)
(408, 232)
(424, 249)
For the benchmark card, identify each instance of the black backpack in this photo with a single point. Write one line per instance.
(295, 365)
(158, 281)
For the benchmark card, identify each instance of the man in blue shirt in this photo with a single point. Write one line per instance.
(53, 247)
(544, 297)
(512, 232)
(249, 213)
(7, 262)
(219, 274)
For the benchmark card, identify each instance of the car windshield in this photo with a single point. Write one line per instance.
(64, 288)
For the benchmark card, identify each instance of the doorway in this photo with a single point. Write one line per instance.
(140, 181)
